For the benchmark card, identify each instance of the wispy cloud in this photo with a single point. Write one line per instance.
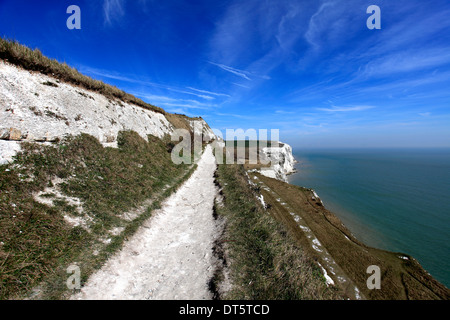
(117, 76)
(253, 38)
(346, 109)
(190, 104)
(135, 80)
(191, 93)
(235, 115)
(284, 112)
(113, 10)
(240, 73)
(408, 61)
(316, 23)
(329, 25)
(209, 92)
(153, 98)
(240, 85)
(171, 102)
(187, 105)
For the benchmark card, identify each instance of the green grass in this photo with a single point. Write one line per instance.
(37, 244)
(265, 261)
(400, 279)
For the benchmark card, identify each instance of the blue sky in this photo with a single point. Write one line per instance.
(310, 68)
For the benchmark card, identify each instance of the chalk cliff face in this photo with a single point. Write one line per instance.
(200, 126)
(38, 108)
(282, 161)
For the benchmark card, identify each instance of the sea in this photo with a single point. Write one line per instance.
(392, 199)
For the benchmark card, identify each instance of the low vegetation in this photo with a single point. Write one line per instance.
(75, 203)
(402, 277)
(265, 261)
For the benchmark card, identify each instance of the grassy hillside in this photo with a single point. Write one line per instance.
(76, 202)
(402, 277)
(110, 192)
(264, 260)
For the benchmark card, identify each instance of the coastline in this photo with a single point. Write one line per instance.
(345, 258)
(361, 226)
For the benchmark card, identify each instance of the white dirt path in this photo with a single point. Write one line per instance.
(170, 257)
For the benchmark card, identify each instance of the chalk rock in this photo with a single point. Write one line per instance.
(281, 159)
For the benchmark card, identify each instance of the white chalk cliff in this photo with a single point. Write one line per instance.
(282, 161)
(38, 108)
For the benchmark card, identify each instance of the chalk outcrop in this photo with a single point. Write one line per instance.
(200, 127)
(282, 161)
(37, 108)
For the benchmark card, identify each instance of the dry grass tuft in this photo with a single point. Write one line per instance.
(401, 279)
(37, 243)
(34, 60)
(265, 261)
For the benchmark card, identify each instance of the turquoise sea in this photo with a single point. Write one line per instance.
(392, 199)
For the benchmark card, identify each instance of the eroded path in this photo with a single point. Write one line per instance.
(171, 256)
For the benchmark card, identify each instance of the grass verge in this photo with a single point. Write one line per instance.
(265, 262)
(64, 204)
(402, 277)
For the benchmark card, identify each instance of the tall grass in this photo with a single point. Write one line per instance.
(37, 244)
(400, 279)
(264, 260)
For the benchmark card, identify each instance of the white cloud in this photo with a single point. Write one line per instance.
(154, 98)
(192, 93)
(331, 24)
(133, 79)
(284, 112)
(240, 85)
(346, 109)
(186, 105)
(209, 92)
(240, 73)
(171, 102)
(113, 10)
(408, 61)
(235, 115)
(117, 76)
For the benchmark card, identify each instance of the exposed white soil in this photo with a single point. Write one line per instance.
(8, 149)
(50, 194)
(171, 255)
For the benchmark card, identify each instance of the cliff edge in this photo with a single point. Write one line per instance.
(281, 159)
(38, 108)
